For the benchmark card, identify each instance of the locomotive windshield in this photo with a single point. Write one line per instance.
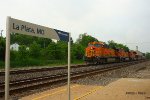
(90, 45)
(96, 45)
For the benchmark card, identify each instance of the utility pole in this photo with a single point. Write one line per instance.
(1, 32)
(137, 48)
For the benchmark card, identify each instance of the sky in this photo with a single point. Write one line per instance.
(124, 21)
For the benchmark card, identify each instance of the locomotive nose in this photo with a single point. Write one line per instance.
(92, 48)
(92, 51)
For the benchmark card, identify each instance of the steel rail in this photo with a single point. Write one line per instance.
(23, 71)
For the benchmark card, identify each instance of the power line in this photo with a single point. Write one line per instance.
(138, 43)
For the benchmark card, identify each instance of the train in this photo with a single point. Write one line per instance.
(99, 52)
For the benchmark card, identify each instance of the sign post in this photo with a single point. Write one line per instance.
(69, 97)
(26, 28)
(7, 59)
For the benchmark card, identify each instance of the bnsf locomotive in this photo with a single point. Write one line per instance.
(99, 52)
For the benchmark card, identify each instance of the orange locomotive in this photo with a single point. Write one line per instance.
(99, 52)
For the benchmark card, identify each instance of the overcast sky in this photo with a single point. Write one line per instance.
(124, 21)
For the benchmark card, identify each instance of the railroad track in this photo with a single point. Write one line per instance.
(23, 71)
(34, 83)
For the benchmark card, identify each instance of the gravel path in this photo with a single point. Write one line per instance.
(133, 71)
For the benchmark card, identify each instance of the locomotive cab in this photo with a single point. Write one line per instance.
(99, 52)
(93, 51)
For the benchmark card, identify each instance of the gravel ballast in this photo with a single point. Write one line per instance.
(103, 79)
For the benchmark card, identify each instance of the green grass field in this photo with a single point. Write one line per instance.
(38, 63)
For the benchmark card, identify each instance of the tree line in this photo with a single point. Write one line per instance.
(34, 51)
(41, 51)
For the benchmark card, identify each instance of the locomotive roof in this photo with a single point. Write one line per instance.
(97, 42)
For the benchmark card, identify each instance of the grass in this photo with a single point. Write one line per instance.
(38, 63)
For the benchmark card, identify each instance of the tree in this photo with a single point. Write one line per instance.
(62, 49)
(77, 51)
(56, 51)
(115, 45)
(2, 48)
(34, 50)
(49, 52)
(112, 44)
(21, 39)
(147, 55)
(22, 53)
(28, 40)
(14, 55)
(84, 39)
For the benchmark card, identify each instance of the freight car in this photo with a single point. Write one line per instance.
(139, 55)
(99, 52)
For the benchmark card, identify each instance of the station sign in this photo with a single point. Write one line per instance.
(26, 28)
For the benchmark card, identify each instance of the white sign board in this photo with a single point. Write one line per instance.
(22, 27)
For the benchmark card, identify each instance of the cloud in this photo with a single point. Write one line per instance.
(124, 21)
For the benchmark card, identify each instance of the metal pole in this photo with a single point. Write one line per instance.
(7, 59)
(69, 97)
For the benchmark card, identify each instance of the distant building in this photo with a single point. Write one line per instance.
(54, 40)
(14, 47)
(81, 35)
(85, 34)
(27, 48)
